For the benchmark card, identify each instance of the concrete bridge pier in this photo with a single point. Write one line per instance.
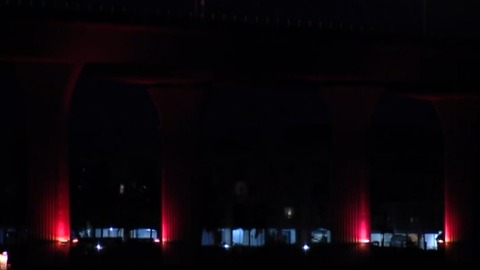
(178, 108)
(458, 117)
(351, 111)
(47, 88)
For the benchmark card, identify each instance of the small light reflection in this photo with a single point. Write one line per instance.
(63, 240)
(289, 212)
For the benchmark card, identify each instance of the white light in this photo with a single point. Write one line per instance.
(3, 260)
(226, 246)
(63, 240)
(98, 247)
(365, 241)
(305, 247)
(111, 229)
(288, 212)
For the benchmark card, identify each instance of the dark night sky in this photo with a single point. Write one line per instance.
(407, 149)
(109, 119)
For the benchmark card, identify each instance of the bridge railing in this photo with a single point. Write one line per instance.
(443, 17)
(102, 6)
(404, 14)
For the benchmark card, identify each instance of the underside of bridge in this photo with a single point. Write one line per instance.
(176, 60)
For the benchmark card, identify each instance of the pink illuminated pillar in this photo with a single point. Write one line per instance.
(48, 89)
(351, 110)
(458, 117)
(177, 108)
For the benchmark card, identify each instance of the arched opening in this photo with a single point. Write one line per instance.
(407, 173)
(115, 147)
(265, 165)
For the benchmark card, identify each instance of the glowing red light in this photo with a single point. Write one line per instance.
(363, 233)
(60, 231)
(449, 218)
(165, 233)
(364, 213)
(62, 205)
(447, 234)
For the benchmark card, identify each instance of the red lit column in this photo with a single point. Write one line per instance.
(177, 108)
(351, 110)
(48, 89)
(458, 117)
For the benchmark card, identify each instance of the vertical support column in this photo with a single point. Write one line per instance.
(48, 89)
(351, 110)
(458, 118)
(177, 108)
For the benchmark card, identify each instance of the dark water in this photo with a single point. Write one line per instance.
(154, 257)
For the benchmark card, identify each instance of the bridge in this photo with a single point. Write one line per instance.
(351, 50)
(442, 18)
